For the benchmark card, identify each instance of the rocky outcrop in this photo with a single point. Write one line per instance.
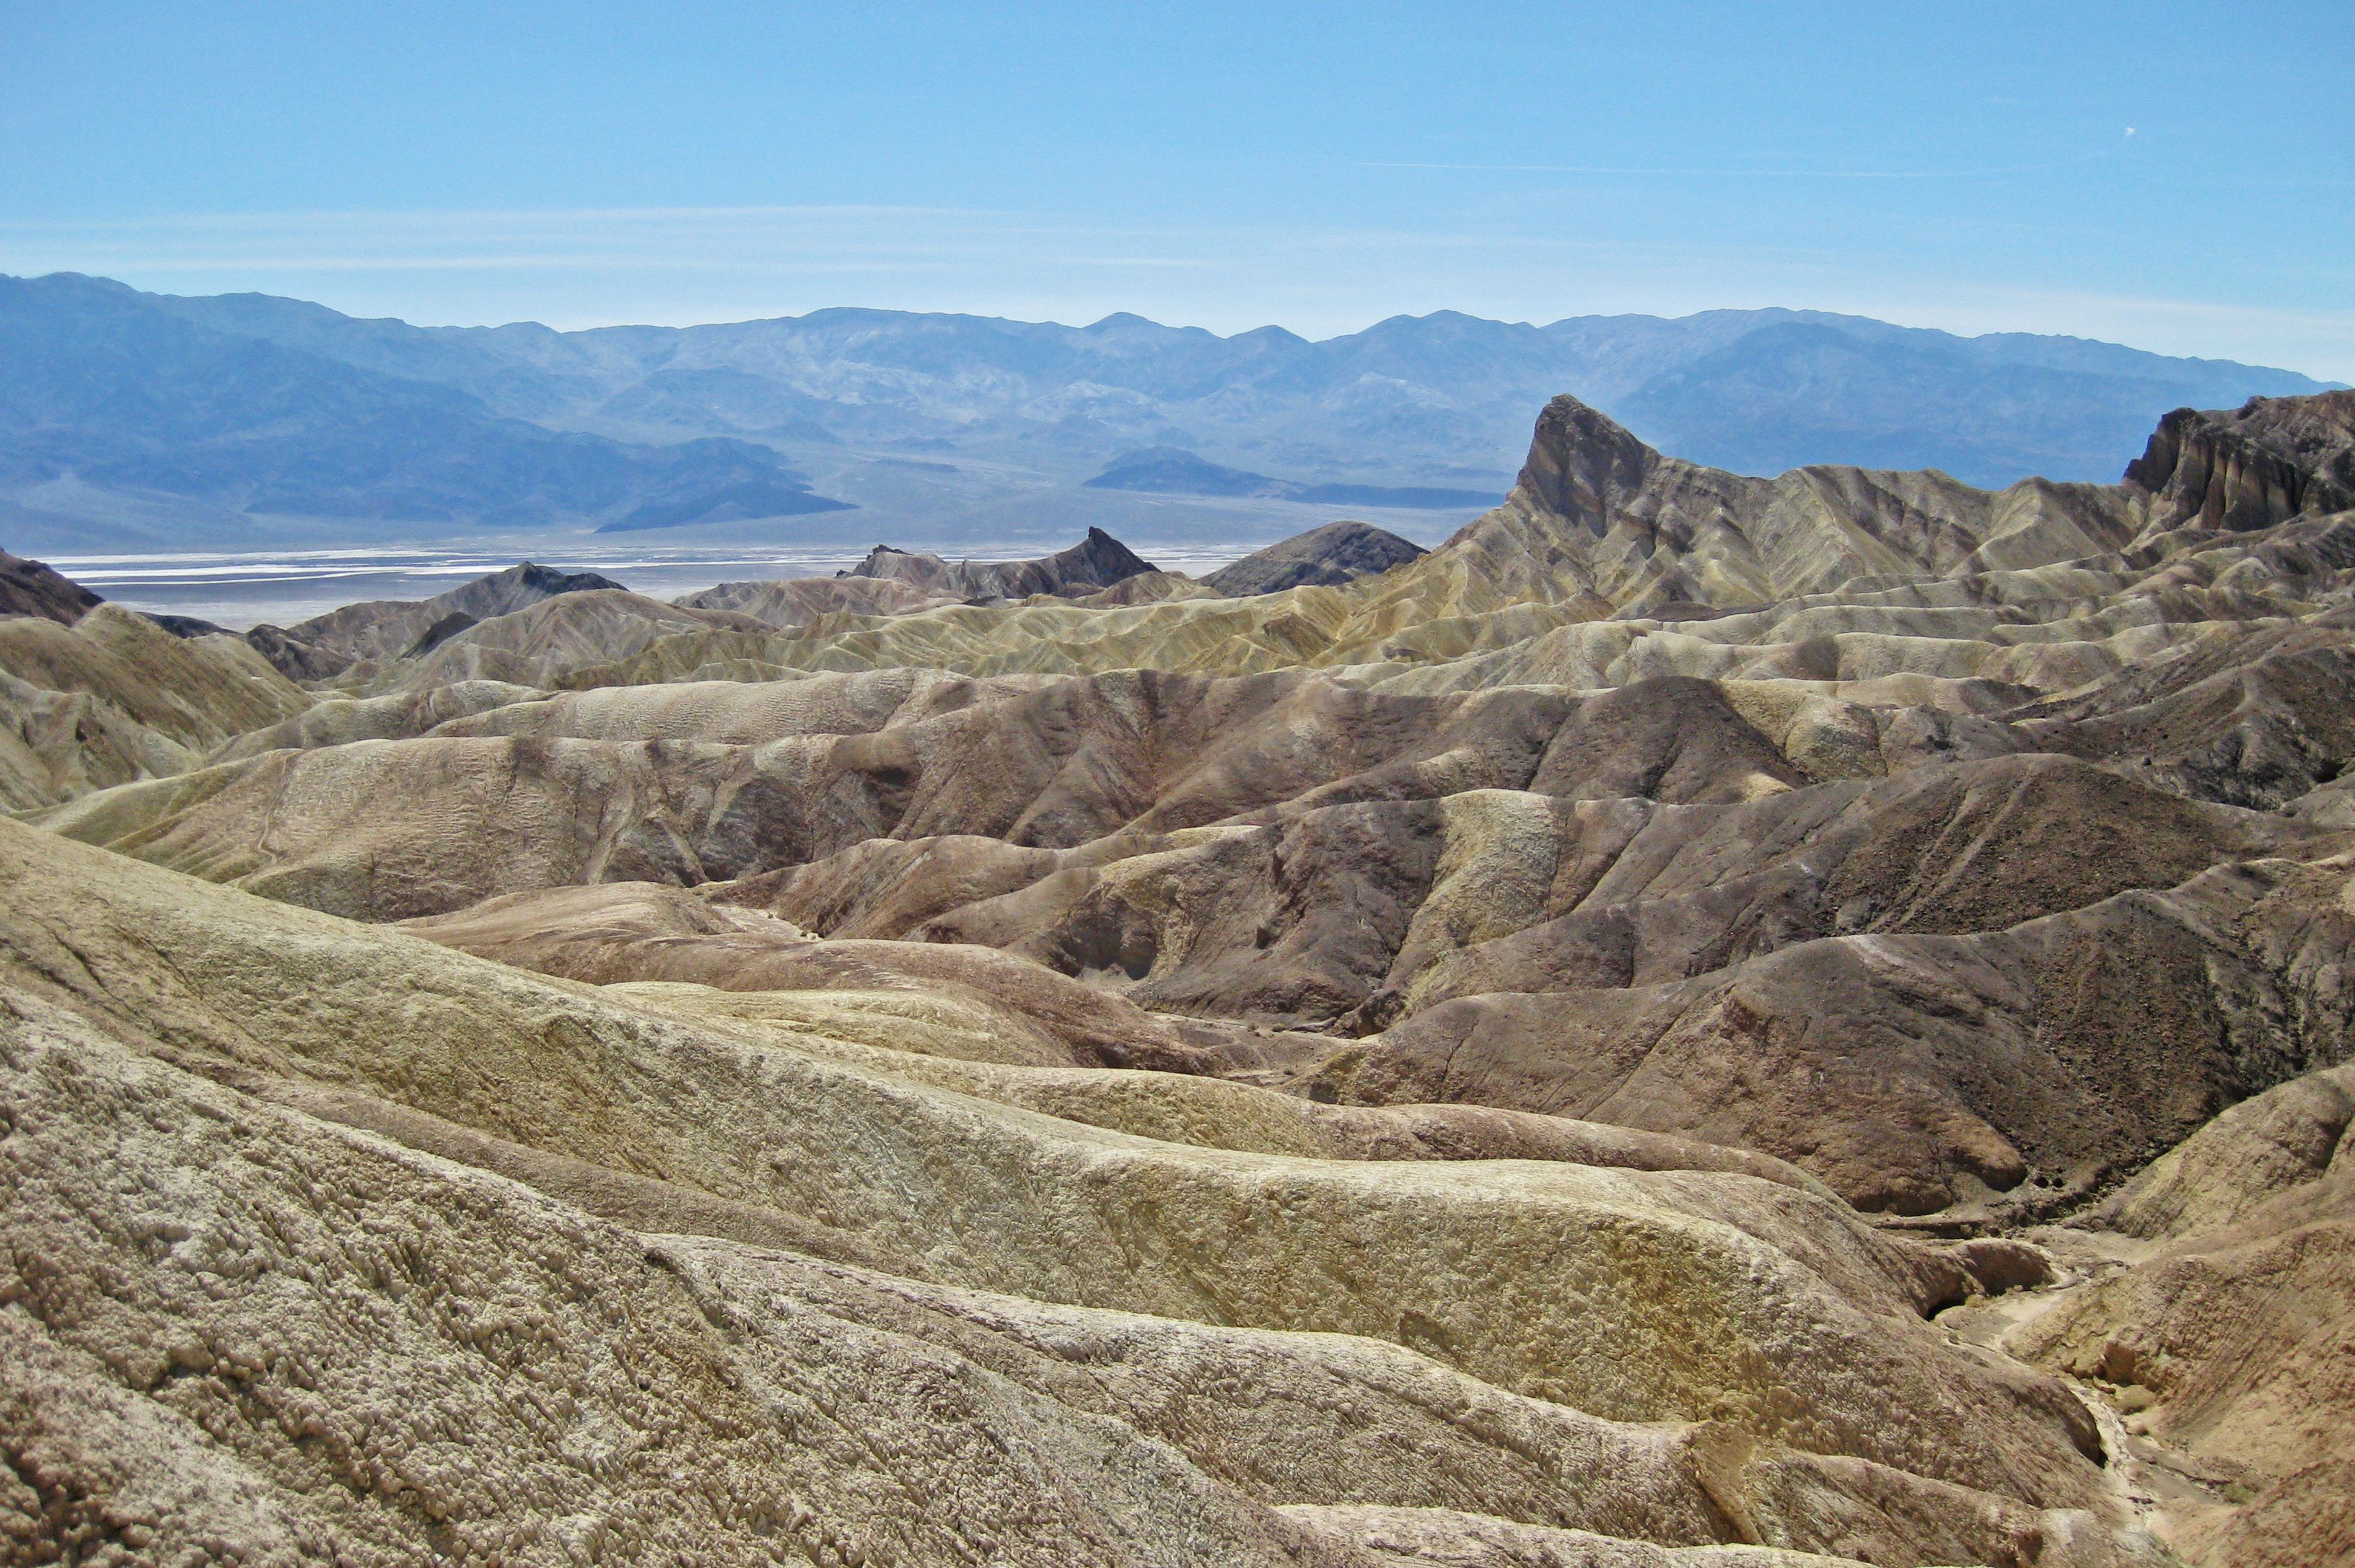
(1329, 556)
(2261, 465)
(2230, 1344)
(296, 658)
(188, 625)
(1094, 563)
(1582, 466)
(31, 588)
(777, 1282)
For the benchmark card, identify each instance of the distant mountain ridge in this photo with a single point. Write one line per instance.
(105, 387)
(1173, 471)
(1421, 398)
(270, 406)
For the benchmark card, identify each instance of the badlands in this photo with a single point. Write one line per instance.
(1707, 1021)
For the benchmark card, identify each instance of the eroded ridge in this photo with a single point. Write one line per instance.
(1707, 1019)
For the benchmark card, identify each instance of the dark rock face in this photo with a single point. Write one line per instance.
(30, 587)
(1095, 563)
(1583, 464)
(1334, 554)
(296, 658)
(441, 632)
(187, 625)
(2270, 460)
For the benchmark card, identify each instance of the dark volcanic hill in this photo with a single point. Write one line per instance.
(1797, 1021)
(1332, 555)
(1096, 562)
(1173, 471)
(31, 588)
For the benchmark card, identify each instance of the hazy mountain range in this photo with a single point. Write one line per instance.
(1173, 471)
(131, 419)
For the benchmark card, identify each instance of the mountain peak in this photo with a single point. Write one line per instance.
(1582, 464)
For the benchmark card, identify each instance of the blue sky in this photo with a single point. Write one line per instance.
(2179, 178)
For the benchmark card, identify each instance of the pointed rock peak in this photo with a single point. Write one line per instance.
(1583, 462)
(1107, 560)
(548, 580)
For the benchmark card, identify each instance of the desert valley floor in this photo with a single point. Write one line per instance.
(1708, 1020)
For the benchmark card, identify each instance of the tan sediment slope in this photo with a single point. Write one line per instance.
(391, 629)
(113, 698)
(1598, 525)
(304, 1294)
(799, 600)
(1926, 957)
(1933, 574)
(2233, 1338)
(1452, 1068)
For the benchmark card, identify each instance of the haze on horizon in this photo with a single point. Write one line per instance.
(2140, 174)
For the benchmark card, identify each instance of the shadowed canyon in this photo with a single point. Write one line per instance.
(1709, 1020)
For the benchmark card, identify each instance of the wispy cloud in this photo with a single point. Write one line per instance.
(1761, 172)
(781, 239)
(1727, 173)
(845, 251)
(1767, 172)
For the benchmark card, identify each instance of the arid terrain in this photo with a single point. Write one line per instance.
(1707, 1021)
